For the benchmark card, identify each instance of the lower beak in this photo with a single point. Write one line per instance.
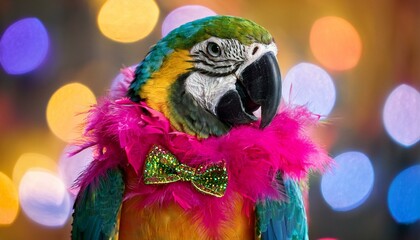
(259, 85)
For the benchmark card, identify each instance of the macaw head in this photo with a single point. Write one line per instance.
(211, 74)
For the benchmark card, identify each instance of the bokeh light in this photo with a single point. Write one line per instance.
(30, 161)
(9, 201)
(183, 15)
(401, 115)
(127, 20)
(335, 43)
(70, 167)
(44, 198)
(66, 110)
(23, 46)
(309, 85)
(348, 184)
(404, 196)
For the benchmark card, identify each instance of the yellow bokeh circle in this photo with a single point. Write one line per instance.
(128, 20)
(335, 43)
(9, 200)
(30, 161)
(67, 110)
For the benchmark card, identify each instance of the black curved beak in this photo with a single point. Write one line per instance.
(259, 85)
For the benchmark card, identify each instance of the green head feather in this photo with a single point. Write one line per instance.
(189, 34)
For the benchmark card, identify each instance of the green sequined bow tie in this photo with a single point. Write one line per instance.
(163, 167)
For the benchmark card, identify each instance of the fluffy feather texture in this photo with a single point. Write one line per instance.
(97, 207)
(124, 132)
(119, 88)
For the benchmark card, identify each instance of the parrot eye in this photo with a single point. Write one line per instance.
(213, 49)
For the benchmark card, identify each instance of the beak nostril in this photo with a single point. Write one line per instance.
(254, 50)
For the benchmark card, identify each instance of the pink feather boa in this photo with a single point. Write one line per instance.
(124, 132)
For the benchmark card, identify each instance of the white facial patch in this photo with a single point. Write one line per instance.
(217, 68)
(207, 90)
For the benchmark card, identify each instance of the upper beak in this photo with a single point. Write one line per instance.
(258, 85)
(262, 81)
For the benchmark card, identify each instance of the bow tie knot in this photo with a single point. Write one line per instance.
(163, 167)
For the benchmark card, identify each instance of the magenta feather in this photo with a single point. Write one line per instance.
(124, 132)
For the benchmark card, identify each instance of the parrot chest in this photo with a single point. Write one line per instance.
(172, 222)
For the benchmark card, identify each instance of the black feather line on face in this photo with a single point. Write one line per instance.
(204, 55)
(209, 58)
(222, 67)
(204, 62)
(235, 66)
(225, 64)
(213, 74)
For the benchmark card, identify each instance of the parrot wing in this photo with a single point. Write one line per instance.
(97, 206)
(283, 220)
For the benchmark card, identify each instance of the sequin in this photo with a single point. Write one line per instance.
(163, 167)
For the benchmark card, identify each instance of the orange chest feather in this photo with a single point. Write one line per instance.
(173, 223)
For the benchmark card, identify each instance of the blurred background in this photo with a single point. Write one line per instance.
(356, 63)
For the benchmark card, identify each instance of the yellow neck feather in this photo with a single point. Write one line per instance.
(156, 89)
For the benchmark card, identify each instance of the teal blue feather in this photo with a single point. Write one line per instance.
(151, 63)
(283, 220)
(96, 207)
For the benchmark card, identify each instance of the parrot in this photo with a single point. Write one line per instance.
(182, 155)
